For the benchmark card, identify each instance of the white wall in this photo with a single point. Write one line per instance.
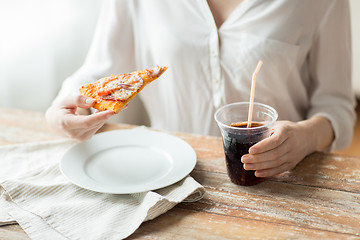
(42, 42)
(355, 28)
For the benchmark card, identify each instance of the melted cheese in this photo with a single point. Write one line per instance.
(119, 87)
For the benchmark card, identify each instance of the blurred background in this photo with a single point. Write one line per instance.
(43, 42)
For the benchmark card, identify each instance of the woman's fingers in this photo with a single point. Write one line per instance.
(76, 101)
(272, 142)
(82, 135)
(265, 165)
(66, 116)
(278, 153)
(275, 171)
(71, 122)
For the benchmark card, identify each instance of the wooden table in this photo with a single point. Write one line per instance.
(319, 199)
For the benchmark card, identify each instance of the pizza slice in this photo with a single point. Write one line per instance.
(116, 91)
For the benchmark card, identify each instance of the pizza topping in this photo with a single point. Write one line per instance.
(119, 87)
(154, 72)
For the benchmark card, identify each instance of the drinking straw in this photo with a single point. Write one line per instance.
(252, 93)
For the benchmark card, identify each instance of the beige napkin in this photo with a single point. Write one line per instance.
(35, 194)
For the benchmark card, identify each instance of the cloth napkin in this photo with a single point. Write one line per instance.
(35, 194)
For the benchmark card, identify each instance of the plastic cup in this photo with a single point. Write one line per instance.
(237, 138)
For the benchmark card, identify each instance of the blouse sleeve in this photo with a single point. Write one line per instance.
(111, 50)
(331, 93)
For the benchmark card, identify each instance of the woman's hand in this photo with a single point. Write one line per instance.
(289, 143)
(66, 115)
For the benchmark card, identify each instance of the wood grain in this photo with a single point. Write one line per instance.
(319, 199)
(281, 203)
(18, 126)
(191, 224)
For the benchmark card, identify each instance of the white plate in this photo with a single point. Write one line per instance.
(128, 161)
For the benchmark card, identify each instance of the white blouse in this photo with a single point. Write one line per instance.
(304, 46)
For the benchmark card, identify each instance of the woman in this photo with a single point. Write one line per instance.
(212, 47)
